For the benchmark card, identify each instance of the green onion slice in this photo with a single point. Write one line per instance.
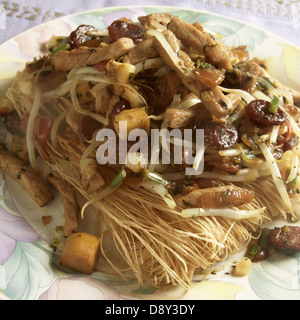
(61, 48)
(252, 252)
(118, 179)
(274, 105)
(264, 238)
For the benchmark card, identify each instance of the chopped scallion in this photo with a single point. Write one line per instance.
(118, 179)
(61, 48)
(252, 252)
(264, 238)
(274, 105)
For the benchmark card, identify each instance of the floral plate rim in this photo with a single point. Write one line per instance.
(57, 278)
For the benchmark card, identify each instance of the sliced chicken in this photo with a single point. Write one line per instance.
(201, 42)
(91, 178)
(155, 20)
(141, 52)
(27, 178)
(69, 201)
(84, 56)
(244, 76)
(218, 197)
(172, 59)
(217, 103)
(181, 117)
(212, 98)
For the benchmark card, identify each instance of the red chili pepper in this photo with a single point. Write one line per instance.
(288, 133)
(41, 131)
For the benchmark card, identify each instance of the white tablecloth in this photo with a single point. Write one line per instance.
(278, 16)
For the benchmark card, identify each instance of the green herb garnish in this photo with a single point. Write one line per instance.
(252, 252)
(274, 105)
(118, 179)
(61, 48)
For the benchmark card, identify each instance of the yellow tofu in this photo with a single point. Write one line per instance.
(81, 252)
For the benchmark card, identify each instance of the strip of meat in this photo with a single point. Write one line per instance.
(69, 201)
(172, 40)
(244, 76)
(27, 178)
(84, 56)
(241, 53)
(155, 20)
(141, 52)
(213, 99)
(218, 197)
(91, 177)
(216, 102)
(209, 77)
(171, 58)
(202, 42)
(177, 117)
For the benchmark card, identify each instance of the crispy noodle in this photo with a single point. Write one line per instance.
(159, 239)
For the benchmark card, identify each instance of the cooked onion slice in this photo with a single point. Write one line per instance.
(294, 169)
(161, 190)
(276, 175)
(30, 127)
(230, 213)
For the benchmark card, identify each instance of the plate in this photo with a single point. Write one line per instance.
(29, 268)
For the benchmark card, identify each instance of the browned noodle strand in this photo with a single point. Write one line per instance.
(157, 244)
(171, 247)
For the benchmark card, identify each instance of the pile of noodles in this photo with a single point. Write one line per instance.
(157, 243)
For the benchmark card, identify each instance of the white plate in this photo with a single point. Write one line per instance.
(29, 268)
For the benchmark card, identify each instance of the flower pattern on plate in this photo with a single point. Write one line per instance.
(29, 269)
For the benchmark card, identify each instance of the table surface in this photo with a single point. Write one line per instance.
(279, 16)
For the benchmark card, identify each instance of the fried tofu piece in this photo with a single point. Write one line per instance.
(81, 252)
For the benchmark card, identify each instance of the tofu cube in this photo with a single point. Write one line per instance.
(81, 252)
